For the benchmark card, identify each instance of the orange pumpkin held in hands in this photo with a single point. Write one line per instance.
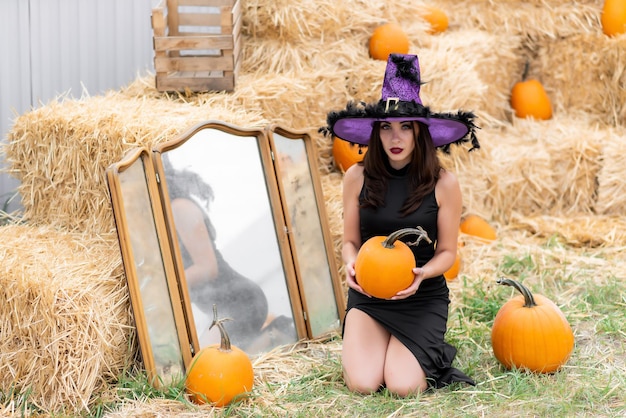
(219, 374)
(529, 99)
(384, 265)
(477, 227)
(530, 332)
(613, 17)
(347, 154)
(387, 39)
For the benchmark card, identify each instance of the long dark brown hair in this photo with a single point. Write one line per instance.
(424, 170)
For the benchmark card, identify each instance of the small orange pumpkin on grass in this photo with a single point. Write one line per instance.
(530, 332)
(384, 265)
(219, 374)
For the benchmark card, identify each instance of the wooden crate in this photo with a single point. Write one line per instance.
(196, 44)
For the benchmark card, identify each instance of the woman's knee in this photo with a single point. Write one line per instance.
(403, 374)
(362, 384)
(402, 389)
(364, 349)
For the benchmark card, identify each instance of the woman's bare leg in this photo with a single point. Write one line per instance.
(403, 374)
(364, 351)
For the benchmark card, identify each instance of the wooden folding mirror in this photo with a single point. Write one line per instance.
(156, 302)
(228, 236)
(301, 195)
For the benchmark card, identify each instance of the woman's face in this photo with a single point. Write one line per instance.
(398, 142)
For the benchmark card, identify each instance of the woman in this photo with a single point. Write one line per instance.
(398, 343)
(210, 278)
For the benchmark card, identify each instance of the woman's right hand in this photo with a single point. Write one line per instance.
(351, 279)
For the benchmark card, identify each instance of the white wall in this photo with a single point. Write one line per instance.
(56, 47)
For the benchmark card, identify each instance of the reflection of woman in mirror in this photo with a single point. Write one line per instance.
(210, 279)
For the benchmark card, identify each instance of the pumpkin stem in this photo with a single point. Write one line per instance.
(225, 339)
(529, 300)
(419, 231)
(526, 68)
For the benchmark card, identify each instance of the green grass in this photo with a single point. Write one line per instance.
(306, 380)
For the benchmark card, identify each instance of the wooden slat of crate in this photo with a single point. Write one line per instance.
(199, 19)
(196, 63)
(207, 70)
(205, 3)
(167, 43)
(201, 81)
(158, 21)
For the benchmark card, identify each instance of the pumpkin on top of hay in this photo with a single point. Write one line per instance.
(346, 154)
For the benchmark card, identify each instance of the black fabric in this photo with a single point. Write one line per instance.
(420, 321)
(236, 297)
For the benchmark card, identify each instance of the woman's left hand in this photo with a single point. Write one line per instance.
(411, 290)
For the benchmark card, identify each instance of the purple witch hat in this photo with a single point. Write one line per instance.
(401, 102)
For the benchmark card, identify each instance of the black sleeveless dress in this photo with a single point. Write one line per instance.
(236, 296)
(419, 321)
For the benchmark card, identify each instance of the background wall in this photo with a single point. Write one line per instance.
(53, 48)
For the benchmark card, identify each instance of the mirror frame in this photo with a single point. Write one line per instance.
(113, 172)
(311, 156)
(291, 281)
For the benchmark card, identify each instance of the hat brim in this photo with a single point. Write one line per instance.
(442, 131)
(356, 121)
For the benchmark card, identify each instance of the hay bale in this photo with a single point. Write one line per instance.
(64, 315)
(611, 185)
(60, 152)
(471, 170)
(470, 70)
(331, 20)
(578, 231)
(532, 168)
(544, 168)
(332, 187)
(599, 70)
(531, 18)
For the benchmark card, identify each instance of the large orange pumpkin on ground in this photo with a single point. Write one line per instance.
(219, 374)
(529, 98)
(613, 17)
(530, 332)
(384, 265)
(346, 154)
(388, 39)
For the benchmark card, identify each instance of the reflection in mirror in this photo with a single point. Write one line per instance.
(149, 269)
(226, 237)
(307, 223)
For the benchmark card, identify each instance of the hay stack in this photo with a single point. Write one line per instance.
(599, 70)
(64, 316)
(611, 185)
(537, 168)
(535, 19)
(60, 151)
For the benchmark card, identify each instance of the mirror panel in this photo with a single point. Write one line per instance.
(229, 236)
(149, 268)
(297, 172)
